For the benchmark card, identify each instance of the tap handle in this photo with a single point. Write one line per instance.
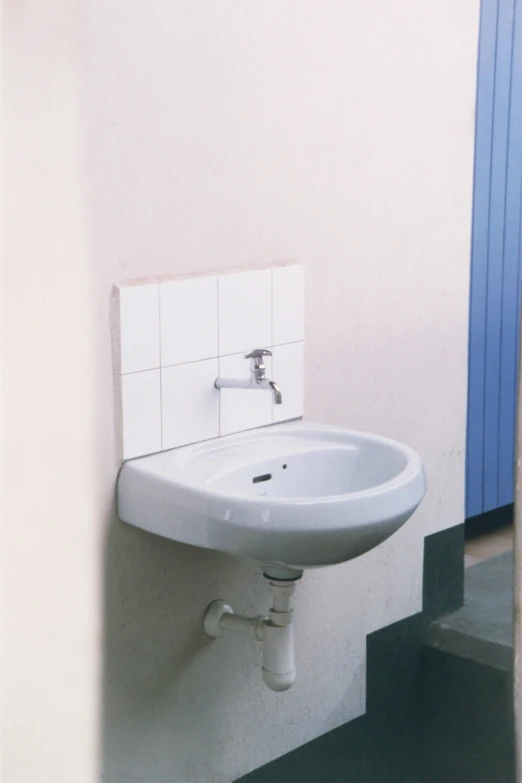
(258, 353)
(257, 363)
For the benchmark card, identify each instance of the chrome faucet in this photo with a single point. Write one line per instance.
(257, 380)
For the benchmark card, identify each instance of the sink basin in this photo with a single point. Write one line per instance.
(291, 496)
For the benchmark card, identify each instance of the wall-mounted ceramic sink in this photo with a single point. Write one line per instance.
(291, 496)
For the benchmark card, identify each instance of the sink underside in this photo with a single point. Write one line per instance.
(300, 495)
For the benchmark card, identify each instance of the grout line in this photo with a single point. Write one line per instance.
(292, 342)
(139, 372)
(206, 359)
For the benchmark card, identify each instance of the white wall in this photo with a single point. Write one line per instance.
(51, 523)
(225, 134)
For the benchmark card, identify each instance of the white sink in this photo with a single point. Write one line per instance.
(292, 496)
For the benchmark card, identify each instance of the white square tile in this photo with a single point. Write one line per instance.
(288, 373)
(245, 311)
(242, 409)
(288, 304)
(139, 327)
(189, 322)
(141, 403)
(190, 403)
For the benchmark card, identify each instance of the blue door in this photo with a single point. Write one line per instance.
(496, 274)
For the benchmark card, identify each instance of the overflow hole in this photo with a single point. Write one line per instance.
(264, 477)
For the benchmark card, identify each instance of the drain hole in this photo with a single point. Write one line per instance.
(264, 477)
(285, 467)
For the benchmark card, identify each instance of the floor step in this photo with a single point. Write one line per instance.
(482, 630)
(467, 691)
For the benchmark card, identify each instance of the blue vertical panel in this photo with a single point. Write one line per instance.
(496, 275)
(479, 265)
(497, 207)
(511, 274)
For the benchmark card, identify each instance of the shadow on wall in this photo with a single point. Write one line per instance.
(157, 656)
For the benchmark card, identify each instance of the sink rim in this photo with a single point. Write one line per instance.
(178, 474)
(155, 494)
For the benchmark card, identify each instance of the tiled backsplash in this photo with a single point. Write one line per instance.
(177, 337)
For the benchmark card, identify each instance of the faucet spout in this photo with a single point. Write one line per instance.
(276, 391)
(257, 379)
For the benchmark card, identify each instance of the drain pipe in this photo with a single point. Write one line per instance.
(276, 632)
